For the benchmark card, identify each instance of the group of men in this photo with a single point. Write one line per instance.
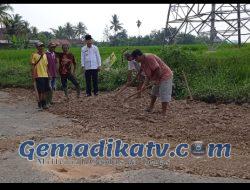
(148, 67)
(46, 66)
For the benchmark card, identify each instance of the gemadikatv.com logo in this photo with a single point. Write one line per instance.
(111, 148)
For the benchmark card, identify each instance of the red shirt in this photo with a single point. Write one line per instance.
(65, 62)
(151, 63)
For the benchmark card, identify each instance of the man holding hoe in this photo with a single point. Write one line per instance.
(158, 72)
(133, 66)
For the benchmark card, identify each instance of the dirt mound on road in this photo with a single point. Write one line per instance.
(106, 117)
(184, 122)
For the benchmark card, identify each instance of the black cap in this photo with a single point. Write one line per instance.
(88, 37)
(136, 53)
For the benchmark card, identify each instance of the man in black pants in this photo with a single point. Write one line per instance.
(66, 61)
(91, 63)
(40, 75)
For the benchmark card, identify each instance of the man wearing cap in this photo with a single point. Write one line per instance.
(52, 65)
(40, 74)
(91, 63)
(158, 72)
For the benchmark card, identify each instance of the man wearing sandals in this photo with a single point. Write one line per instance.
(158, 72)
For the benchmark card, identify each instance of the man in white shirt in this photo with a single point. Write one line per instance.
(91, 63)
(134, 66)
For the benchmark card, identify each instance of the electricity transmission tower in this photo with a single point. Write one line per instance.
(215, 22)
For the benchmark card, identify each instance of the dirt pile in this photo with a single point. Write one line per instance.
(105, 117)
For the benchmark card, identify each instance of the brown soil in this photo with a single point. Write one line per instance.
(105, 117)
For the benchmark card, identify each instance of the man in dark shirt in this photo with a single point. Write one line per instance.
(66, 61)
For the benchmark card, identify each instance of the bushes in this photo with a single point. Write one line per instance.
(221, 76)
(110, 80)
(179, 60)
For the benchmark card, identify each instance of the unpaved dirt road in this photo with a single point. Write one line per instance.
(88, 120)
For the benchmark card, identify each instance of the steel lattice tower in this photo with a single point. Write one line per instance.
(218, 22)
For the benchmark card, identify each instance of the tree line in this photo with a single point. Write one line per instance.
(19, 32)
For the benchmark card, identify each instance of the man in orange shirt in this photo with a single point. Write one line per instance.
(156, 70)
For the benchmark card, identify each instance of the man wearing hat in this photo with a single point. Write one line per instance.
(52, 68)
(40, 75)
(91, 63)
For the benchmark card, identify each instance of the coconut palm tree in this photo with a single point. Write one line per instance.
(80, 30)
(59, 32)
(25, 28)
(3, 12)
(115, 24)
(17, 30)
(34, 32)
(69, 31)
(15, 25)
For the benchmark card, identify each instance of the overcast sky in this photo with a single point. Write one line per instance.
(94, 16)
(97, 16)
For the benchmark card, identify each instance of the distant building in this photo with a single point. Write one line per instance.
(3, 41)
(2, 31)
(77, 42)
(70, 42)
(33, 42)
(60, 41)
